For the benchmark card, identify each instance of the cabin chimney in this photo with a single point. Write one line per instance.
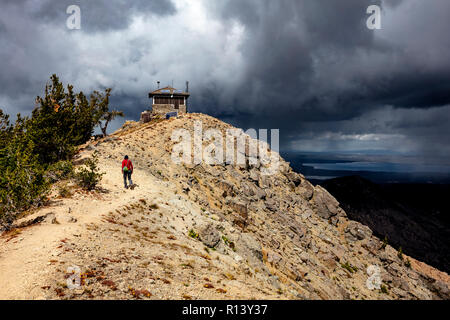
(187, 86)
(158, 82)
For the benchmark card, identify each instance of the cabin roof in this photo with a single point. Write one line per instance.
(168, 91)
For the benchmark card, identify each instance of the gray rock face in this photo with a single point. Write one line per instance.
(272, 205)
(260, 193)
(248, 247)
(252, 190)
(209, 236)
(227, 188)
(304, 256)
(325, 205)
(265, 182)
(372, 246)
(305, 189)
(441, 289)
(356, 231)
(386, 258)
(329, 260)
(239, 207)
(254, 175)
(273, 258)
(294, 177)
(274, 281)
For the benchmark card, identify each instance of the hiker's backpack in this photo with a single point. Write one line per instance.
(125, 169)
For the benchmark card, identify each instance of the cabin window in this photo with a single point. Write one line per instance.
(177, 101)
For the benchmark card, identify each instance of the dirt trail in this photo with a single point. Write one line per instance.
(25, 259)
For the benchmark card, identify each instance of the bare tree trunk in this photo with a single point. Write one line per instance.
(104, 130)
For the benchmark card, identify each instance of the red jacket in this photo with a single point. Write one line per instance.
(128, 164)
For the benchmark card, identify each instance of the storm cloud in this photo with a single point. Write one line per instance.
(311, 68)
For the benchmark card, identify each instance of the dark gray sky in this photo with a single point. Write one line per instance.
(310, 68)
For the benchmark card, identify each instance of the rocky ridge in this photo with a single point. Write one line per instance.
(214, 232)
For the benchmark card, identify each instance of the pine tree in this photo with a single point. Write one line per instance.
(34, 146)
(102, 113)
(5, 129)
(22, 182)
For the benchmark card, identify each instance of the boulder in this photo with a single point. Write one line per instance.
(357, 231)
(254, 175)
(441, 289)
(146, 116)
(248, 247)
(251, 190)
(259, 193)
(304, 256)
(273, 258)
(295, 227)
(239, 207)
(265, 181)
(294, 178)
(209, 236)
(239, 221)
(228, 189)
(272, 205)
(325, 204)
(32, 220)
(372, 246)
(329, 260)
(305, 189)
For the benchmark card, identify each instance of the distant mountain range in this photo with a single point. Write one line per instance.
(412, 216)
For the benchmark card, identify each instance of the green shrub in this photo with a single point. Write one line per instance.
(384, 289)
(61, 170)
(193, 234)
(89, 176)
(385, 243)
(229, 243)
(400, 253)
(349, 267)
(64, 191)
(225, 239)
(408, 263)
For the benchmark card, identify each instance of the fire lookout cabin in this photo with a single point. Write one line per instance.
(168, 100)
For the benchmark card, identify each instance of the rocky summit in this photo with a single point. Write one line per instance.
(200, 232)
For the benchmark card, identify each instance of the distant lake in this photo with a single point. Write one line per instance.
(380, 167)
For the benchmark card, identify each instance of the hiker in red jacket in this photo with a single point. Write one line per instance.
(127, 170)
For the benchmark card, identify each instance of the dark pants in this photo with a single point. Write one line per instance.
(125, 175)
